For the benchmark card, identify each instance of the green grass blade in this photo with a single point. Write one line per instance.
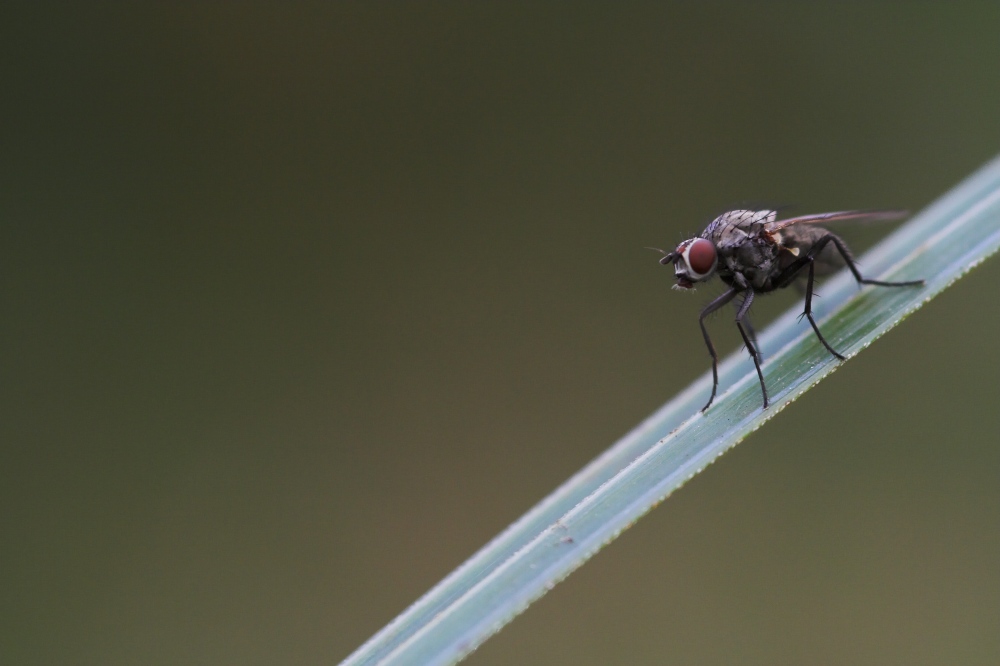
(544, 546)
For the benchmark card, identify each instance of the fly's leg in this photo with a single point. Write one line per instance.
(808, 311)
(846, 254)
(753, 335)
(792, 270)
(709, 309)
(741, 321)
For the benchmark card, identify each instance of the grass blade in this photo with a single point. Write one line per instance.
(940, 245)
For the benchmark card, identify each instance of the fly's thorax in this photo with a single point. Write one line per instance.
(756, 260)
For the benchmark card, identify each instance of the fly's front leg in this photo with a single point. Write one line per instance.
(709, 309)
(741, 321)
(753, 335)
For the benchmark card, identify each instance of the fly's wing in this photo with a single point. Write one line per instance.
(841, 216)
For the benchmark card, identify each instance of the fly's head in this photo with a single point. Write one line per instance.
(694, 261)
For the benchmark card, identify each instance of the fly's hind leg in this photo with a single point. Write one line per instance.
(849, 260)
(792, 271)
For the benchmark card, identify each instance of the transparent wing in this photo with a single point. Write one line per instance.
(840, 216)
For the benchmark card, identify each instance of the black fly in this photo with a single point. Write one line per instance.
(754, 253)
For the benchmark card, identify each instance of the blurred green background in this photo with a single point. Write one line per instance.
(304, 303)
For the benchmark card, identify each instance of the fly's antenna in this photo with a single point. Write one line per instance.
(668, 257)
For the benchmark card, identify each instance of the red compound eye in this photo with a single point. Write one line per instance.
(700, 256)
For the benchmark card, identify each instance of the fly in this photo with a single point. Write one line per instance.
(754, 253)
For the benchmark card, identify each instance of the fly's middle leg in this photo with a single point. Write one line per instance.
(741, 324)
(808, 311)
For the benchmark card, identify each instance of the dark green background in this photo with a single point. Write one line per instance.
(304, 303)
